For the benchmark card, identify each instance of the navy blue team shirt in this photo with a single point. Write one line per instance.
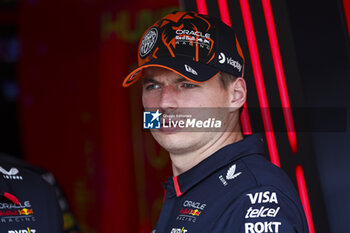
(235, 190)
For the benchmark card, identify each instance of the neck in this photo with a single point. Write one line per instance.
(185, 161)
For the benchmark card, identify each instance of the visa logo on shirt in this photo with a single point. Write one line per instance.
(263, 197)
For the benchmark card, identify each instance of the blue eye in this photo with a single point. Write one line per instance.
(153, 86)
(189, 85)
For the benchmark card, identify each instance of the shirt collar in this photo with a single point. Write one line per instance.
(252, 144)
(6, 191)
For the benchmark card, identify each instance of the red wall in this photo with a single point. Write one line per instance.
(78, 121)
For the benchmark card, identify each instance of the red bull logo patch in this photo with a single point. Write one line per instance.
(26, 211)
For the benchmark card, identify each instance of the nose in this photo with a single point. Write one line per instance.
(168, 98)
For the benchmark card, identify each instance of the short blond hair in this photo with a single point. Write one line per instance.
(226, 79)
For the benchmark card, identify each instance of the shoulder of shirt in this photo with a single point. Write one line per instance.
(260, 175)
(266, 174)
(23, 165)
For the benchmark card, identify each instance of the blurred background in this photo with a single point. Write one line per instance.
(62, 106)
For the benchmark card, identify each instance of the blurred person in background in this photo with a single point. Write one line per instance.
(31, 201)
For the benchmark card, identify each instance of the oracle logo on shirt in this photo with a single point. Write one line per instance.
(23, 212)
(25, 204)
(195, 205)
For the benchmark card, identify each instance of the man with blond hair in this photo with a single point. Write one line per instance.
(221, 182)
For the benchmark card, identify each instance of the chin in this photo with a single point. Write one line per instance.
(176, 142)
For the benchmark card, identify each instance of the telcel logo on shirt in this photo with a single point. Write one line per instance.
(151, 120)
(23, 231)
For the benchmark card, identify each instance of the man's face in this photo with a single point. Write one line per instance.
(169, 92)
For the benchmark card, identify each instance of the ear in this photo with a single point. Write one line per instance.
(238, 93)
